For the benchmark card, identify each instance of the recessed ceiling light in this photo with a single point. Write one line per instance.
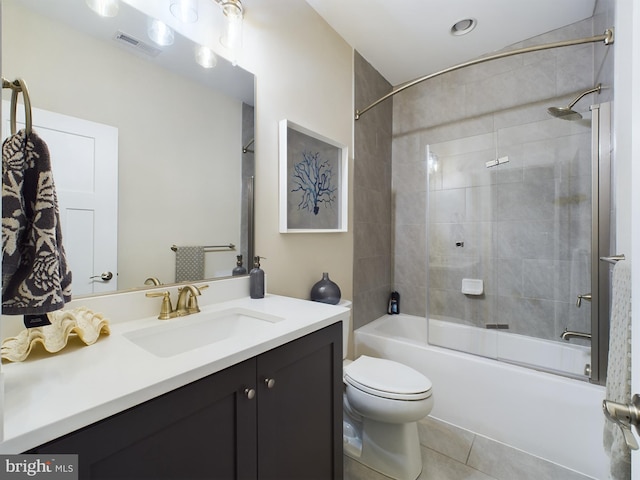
(462, 27)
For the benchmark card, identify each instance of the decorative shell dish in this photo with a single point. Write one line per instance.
(80, 321)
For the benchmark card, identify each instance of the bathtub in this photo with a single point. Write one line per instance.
(550, 416)
(562, 358)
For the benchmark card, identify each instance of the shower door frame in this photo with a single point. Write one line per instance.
(600, 239)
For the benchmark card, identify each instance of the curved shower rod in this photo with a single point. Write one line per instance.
(606, 38)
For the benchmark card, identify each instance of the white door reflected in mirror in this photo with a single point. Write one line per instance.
(84, 159)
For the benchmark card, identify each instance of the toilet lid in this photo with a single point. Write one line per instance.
(386, 378)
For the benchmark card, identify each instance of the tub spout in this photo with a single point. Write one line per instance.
(568, 334)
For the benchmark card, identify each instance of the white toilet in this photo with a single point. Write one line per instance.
(383, 401)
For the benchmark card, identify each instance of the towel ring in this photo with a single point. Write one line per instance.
(16, 87)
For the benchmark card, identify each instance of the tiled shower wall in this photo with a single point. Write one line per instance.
(372, 282)
(524, 224)
(374, 264)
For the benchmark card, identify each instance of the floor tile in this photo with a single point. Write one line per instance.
(445, 438)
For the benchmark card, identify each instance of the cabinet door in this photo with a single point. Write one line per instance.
(300, 408)
(204, 430)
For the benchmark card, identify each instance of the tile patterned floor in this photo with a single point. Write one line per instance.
(451, 453)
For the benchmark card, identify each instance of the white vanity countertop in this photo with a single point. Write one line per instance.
(48, 396)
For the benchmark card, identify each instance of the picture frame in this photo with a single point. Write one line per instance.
(313, 181)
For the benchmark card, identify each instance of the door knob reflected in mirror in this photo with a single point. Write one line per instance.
(104, 276)
(625, 416)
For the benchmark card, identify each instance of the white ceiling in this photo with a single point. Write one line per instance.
(405, 39)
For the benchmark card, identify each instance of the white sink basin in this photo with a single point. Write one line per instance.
(182, 334)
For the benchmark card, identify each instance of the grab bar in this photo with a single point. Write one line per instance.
(210, 248)
(613, 259)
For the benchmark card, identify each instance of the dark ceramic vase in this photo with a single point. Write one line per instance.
(326, 291)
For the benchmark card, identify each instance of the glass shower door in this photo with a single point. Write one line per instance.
(509, 243)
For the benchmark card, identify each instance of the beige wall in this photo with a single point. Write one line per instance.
(304, 74)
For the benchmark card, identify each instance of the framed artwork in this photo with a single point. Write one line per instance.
(313, 181)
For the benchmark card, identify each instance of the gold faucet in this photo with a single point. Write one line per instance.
(187, 301)
(152, 281)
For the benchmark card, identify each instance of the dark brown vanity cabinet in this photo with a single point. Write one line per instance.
(276, 416)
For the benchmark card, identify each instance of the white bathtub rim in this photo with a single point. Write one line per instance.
(371, 329)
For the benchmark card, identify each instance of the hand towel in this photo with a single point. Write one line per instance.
(618, 385)
(35, 275)
(189, 263)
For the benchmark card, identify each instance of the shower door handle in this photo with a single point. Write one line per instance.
(624, 416)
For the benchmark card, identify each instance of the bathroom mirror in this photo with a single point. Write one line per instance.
(185, 159)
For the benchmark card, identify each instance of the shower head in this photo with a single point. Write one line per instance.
(567, 113)
(564, 113)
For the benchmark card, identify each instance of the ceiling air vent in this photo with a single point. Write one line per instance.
(138, 45)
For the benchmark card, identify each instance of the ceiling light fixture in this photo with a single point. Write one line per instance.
(104, 8)
(232, 35)
(159, 32)
(184, 10)
(205, 57)
(462, 27)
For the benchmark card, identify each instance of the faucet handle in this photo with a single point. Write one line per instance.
(585, 296)
(166, 309)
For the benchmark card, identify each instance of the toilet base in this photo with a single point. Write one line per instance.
(392, 449)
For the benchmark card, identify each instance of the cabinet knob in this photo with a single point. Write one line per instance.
(270, 382)
(249, 393)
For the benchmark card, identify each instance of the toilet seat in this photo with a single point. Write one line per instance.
(387, 379)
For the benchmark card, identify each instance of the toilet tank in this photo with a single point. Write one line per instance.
(346, 328)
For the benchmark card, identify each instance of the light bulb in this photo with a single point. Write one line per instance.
(232, 35)
(184, 10)
(160, 33)
(104, 8)
(205, 57)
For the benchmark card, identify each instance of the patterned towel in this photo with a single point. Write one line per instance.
(189, 263)
(618, 387)
(35, 275)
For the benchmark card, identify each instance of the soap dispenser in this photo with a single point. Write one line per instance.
(256, 279)
(239, 270)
